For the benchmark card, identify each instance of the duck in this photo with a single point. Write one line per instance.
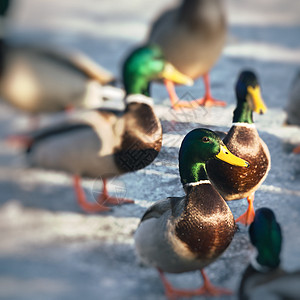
(293, 107)
(264, 277)
(38, 79)
(182, 234)
(99, 143)
(244, 141)
(104, 142)
(191, 36)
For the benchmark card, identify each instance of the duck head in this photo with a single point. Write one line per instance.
(147, 64)
(265, 235)
(249, 97)
(199, 146)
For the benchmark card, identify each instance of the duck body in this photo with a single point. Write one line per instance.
(100, 142)
(191, 36)
(235, 183)
(39, 80)
(188, 233)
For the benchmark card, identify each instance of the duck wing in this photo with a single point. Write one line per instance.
(156, 210)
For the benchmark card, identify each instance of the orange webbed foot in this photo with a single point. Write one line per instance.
(82, 201)
(208, 102)
(207, 289)
(247, 217)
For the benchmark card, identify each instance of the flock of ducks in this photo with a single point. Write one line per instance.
(177, 234)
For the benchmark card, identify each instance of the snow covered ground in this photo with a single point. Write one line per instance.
(51, 250)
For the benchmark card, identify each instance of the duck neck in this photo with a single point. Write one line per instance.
(191, 171)
(137, 86)
(243, 113)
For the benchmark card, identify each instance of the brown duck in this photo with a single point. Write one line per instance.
(243, 140)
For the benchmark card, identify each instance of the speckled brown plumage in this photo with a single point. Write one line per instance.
(234, 182)
(207, 225)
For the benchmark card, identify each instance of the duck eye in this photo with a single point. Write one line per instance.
(205, 139)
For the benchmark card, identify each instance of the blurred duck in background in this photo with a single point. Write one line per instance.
(243, 140)
(264, 278)
(182, 234)
(99, 144)
(293, 106)
(191, 37)
(42, 80)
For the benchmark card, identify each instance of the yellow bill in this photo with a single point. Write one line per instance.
(171, 73)
(228, 157)
(257, 104)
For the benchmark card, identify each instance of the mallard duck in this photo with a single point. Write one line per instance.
(100, 144)
(264, 278)
(181, 234)
(243, 140)
(191, 37)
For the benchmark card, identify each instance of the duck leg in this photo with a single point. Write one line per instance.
(82, 201)
(207, 289)
(175, 102)
(105, 198)
(296, 150)
(207, 100)
(247, 217)
(21, 140)
(170, 292)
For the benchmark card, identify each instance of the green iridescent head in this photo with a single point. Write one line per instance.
(146, 64)
(199, 146)
(248, 97)
(265, 235)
